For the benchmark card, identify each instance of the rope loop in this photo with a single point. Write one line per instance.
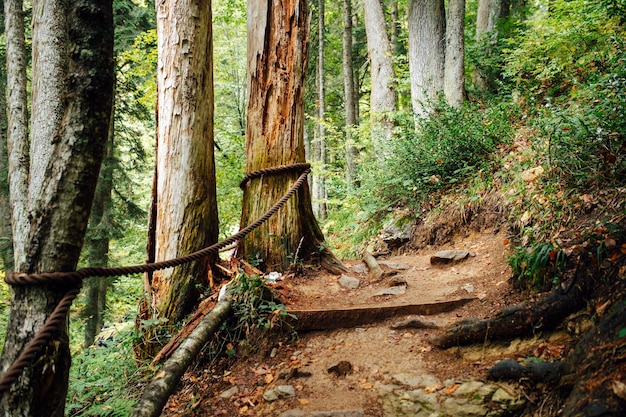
(301, 167)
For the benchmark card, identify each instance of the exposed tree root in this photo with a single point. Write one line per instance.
(519, 320)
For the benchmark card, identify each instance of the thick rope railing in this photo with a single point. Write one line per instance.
(73, 279)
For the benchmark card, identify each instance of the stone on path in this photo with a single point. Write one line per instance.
(395, 290)
(281, 391)
(330, 413)
(394, 265)
(349, 282)
(448, 256)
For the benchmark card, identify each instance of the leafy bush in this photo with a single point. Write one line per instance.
(450, 147)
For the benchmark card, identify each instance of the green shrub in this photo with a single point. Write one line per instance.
(538, 267)
(450, 147)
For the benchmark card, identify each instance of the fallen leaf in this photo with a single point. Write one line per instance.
(303, 401)
(367, 385)
(269, 378)
(619, 389)
(451, 389)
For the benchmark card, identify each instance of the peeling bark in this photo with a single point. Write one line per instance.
(277, 57)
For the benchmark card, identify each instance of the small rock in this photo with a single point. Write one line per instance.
(468, 287)
(448, 256)
(503, 397)
(460, 408)
(349, 282)
(414, 323)
(416, 381)
(338, 413)
(468, 388)
(341, 368)
(229, 392)
(397, 281)
(394, 265)
(397, 290)
(281, 391)
(360, 268)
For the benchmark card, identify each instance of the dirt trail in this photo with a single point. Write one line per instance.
(375, 352)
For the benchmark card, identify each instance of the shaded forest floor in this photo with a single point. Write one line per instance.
(350, 369)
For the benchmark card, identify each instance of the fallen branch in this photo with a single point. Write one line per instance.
(157, 392)
(203, 309)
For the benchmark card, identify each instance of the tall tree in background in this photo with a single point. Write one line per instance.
(277, 53)
(349, 94)
(6, 236)
(383, 95)
(486, 23)
(454, 73)
(51, 234)
(184, 207)
(427, 34)
(319, 141)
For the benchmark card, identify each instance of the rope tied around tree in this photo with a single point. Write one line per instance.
(73, 279)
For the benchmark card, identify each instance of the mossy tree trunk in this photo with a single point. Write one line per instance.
(277, 57)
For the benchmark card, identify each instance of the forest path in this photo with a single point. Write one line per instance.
(344, 369)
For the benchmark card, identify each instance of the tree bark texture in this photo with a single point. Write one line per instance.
(319, 140)
(383, 96)
(277, 54)
(17, 125)
(349, 95)
(49, 62)
(454, 73)
(61, 209)
(155, 395)
(6, 236)
(427, 34)
(186, 204)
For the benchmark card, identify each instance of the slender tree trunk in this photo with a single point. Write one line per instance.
(383, 96)
(426, 52)
(49, 61)
(97, 242)
(395, 28)
(61, 209)
(17, 125)
(319, 142)
(277, 52)
(454, 75)
(349, 95)
(486, 21)
(185, 203)
(6, 236)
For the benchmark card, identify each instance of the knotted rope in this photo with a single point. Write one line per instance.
(73, 279)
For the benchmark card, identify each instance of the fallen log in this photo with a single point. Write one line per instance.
(358, 316)
(519, 320)
(157, 392)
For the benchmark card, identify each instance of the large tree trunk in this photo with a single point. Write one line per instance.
(349, 95)
(277, 51)
(383, 96)
(61, 209)
(427, 28)
(454, 74)
(186, 205)
(319, 140)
